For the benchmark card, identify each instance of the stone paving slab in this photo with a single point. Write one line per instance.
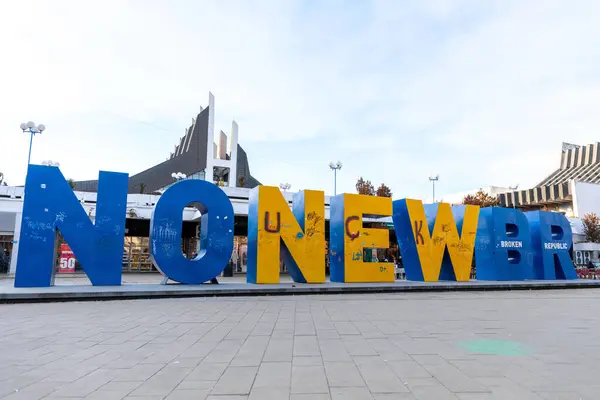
(447, 345)
(77, 290)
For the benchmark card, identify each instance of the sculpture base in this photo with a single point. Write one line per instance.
(71, 292)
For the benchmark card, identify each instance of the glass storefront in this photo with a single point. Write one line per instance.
(136, 253)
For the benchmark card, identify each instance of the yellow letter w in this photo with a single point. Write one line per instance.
(442, 254)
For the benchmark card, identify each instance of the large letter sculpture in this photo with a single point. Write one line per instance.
(301, 230)
(50, 204)
(216, 232)
(348, 238)
(551, 239)
(429, 239)
(503, 246)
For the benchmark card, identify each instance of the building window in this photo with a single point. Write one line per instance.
(136, 257)
(197, 175)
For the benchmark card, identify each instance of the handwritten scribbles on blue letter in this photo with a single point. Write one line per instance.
(216, 231)
(50, 204)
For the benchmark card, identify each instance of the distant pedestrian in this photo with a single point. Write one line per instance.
(4, 261)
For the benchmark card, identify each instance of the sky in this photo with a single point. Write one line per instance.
(480, 92)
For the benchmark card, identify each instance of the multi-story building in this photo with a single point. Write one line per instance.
(572, 189)
(197, 156)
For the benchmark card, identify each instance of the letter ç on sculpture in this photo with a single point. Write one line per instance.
(216, 231)
(277, 233)
(348, 238)
(432, 248)
(51, 205)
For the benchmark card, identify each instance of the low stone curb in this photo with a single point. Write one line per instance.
(10, 294)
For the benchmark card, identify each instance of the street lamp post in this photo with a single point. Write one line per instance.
(177, 176)
(31, 128)
(285, 186)
(51, 163)
(433, 180)
(335, 167)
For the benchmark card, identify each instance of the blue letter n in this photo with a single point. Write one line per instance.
(50, 204)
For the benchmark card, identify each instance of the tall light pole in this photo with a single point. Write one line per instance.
(285, 186)
(514, 189)
(31, 128)
(335, 167)
(433, 180)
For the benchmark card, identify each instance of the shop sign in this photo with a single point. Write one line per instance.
(66, 261)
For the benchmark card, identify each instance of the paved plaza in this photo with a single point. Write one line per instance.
(468, 345)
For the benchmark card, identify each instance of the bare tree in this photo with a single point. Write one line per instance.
(383, 191)
(365, 187)
(481, 199)
(591, 227)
